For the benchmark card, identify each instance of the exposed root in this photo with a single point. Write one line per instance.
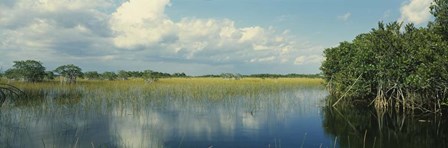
(380, 101)
(7, 90)
(403, 101)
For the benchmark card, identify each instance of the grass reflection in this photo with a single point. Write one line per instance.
(169, 113)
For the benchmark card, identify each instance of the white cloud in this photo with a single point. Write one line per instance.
(263, 59)
(416, 11)
(345, 17)
(300, 60)
(97, 34)
(140, 23)
(194, 38)
(54, 30)
(311, 59)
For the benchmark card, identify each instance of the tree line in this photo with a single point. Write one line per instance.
(394, 65)
(262, 76)
(34, 71)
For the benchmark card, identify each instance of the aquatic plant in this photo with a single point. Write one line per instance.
(176, 87)
(70, 114)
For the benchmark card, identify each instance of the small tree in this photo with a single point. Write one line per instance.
(179, 75)
(123, 75)
(149, 76)
(237, 76)
(92, 75)
(49, 75)
(109, 76)
(29, 71)
(69, 72)
(229, 76)
(226, 75)
(12, 74)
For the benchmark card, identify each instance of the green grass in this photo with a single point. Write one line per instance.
(101, 95)
(213, 88)
(60, 105)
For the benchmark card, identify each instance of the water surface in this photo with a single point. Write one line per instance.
(289, 118)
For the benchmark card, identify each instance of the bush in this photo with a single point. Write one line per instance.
(392, 67)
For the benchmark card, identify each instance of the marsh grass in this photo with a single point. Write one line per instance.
(95, 98)
(102, 97)
(128, 91)
(63, 106)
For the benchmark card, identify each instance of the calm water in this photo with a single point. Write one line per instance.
(293, 118)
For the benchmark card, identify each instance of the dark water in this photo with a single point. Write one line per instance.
(293, 118)
(360, 127)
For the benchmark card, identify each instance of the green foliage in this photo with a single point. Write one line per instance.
(29, 71)
(109, 76)
(291, 75)
(235, 76)
(123, 75)
(12, 74)
(92, 75)
(273, 76)
(70, 72)
(150, 76)
(179, 75)
(160, 74)
(408, 64)
(135, 74)
(49, 75)
(440, 11)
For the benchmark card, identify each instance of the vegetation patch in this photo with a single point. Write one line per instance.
(9, 91)
(393, 66)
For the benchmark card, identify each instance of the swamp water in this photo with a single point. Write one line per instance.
(294, 117)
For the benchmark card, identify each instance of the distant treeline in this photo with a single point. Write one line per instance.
(123, 75)
(292, 75)
(34, 71)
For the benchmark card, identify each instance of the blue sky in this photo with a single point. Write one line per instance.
(317, 20)
(193, 36)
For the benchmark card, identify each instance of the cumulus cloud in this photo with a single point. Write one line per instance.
(308, 59)
(139, 32)
(345, 17)
(211, 40)
(416, 11)
(53, 27)
(140, 23)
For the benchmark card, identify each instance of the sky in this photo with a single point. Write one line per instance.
(197, 37)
